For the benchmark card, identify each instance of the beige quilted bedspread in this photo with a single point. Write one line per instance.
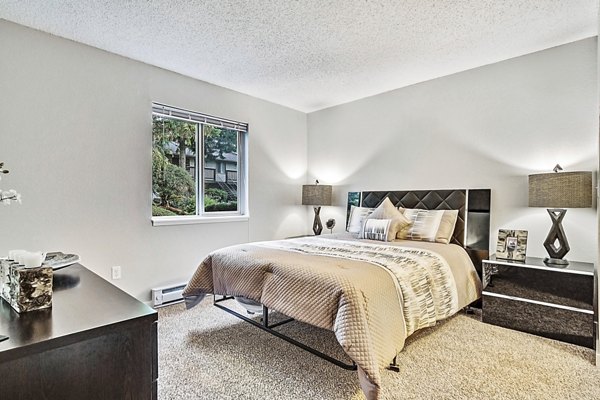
(371, 294)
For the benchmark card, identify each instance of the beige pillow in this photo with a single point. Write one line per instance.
(357, 218)
(386, 210)
(447, 225)
(429, 225)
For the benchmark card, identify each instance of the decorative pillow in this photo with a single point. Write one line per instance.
(376, 229)
(447, 224)
(357, 218)
(386, 210)
(429, 225)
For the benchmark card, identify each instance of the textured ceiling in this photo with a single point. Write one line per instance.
(312, 54)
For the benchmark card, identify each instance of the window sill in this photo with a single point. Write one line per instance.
(196, 219)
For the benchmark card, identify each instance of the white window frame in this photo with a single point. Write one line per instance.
(202, 216)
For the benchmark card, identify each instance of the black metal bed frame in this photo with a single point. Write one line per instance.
(265, 326)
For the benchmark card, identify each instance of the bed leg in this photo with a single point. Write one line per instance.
(394, 365)
(469, 310)
(265, 317)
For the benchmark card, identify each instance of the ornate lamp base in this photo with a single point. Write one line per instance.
(317, 226)
(556, 243)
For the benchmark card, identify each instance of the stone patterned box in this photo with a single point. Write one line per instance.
(4, 273)
(26, 289)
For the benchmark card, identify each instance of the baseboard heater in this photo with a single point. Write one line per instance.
(166, 295)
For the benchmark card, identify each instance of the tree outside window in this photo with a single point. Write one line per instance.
(184, 183)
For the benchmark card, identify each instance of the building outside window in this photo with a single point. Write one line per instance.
(198, 164)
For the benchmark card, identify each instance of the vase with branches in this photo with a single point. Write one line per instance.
(8, 196)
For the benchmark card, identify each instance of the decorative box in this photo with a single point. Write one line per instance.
(4, 273)
(26, 289)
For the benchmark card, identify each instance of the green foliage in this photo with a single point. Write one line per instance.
(166, 130)
(175, 188)
(218, 195)
(218, 200)
(172, 184)
(159, 163)
(161, 212)
(218, 141)
(209, 202)
(189, 205)
(228, 206)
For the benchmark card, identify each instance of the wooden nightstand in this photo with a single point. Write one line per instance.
(532, 297)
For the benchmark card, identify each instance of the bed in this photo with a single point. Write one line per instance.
(372, 293)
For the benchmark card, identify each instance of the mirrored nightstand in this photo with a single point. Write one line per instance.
(532, 297)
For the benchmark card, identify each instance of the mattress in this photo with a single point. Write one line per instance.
(371, 294)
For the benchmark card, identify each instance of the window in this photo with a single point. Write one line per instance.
(198, 164)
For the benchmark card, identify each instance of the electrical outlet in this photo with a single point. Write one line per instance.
(116, 272)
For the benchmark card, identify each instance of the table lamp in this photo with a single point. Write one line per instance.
(557, 191)
(316, 195)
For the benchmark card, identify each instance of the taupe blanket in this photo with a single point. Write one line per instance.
(371, 294)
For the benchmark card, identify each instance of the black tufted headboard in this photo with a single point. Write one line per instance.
(472, 229)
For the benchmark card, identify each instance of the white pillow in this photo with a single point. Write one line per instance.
(445, 228)
(357, 217)
(425, 224)
(386, 210)
(376, 229)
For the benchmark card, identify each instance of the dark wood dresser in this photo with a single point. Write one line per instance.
(532, 297)
(96, 342)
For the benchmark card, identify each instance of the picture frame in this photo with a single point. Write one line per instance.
(511, 245)
(353, 200)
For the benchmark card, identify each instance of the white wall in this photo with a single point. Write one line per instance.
(484, 128)
(75, 130)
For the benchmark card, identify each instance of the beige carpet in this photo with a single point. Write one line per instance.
(205, 353)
